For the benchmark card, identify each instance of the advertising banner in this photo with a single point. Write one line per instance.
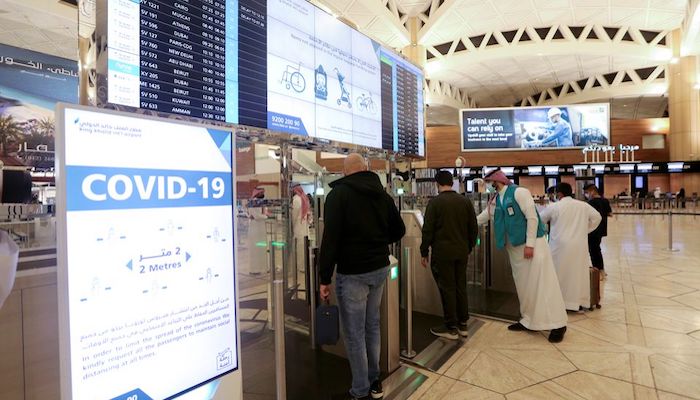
(554, 127)
(147, 288)
(30, 85)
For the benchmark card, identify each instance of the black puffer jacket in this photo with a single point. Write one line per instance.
(360, 221)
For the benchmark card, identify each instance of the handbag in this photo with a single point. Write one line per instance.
(9, 253)
(327, 324)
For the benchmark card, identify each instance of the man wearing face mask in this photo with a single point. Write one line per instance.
(520, 231)
(571, 221)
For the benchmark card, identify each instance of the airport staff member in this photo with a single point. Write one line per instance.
(361, 221)
(519, 230)
(449, 234)
(570, 222)
(560, 130)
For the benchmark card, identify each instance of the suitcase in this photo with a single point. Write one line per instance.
(327, 325)
(595, 288)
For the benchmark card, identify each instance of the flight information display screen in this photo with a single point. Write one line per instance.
(170, 56)
(283, 65)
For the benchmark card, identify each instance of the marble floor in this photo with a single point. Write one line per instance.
(643, 344)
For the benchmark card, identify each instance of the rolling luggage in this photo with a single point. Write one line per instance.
(595, 288)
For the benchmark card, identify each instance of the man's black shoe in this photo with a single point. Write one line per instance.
(517, 327)
(376, 391)
(557, 335)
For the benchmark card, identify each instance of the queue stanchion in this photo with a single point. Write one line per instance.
(408, 263)
(311, 293)
(270, 283)
(670, 232)
(295, 271)
(280, 372)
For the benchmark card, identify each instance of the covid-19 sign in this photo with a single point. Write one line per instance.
(146, 255)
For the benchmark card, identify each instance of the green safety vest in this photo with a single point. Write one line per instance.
(510, 220)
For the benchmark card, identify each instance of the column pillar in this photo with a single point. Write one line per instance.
(684, 103)
(414, 52)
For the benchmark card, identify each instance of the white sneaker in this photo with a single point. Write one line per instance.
(463, 330)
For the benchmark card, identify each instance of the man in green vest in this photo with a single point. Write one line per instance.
(520, 231)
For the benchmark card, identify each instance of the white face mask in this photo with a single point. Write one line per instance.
(587, 196)
(490, 188)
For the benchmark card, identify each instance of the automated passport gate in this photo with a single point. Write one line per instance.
(389, 360)
(421, 301)
(400, 382)
(490, 289)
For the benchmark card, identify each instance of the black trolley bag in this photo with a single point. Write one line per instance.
(327, 324)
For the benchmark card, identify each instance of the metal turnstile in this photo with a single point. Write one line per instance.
(491, 288)
(390, 323)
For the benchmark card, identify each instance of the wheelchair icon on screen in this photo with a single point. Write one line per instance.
(293, 79)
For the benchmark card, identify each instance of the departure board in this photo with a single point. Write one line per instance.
(402, 106)
(407, 88)
(282, 65)
(170, 56)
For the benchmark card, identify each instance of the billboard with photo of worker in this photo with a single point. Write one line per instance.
(550, 127)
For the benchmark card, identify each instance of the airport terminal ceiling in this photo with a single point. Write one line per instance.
(511, 52)
(514, 53)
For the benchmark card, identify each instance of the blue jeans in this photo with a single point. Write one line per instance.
(359, 298)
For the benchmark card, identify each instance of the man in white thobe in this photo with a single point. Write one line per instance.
(518, 229)
(570, 222)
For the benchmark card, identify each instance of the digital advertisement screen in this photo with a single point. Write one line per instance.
(519, 128)
(283, 65)
(146, 273)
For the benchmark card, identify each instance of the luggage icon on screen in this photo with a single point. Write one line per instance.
(224, 359)
(321, 83)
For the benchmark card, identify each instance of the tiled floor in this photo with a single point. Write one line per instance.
(643, 344)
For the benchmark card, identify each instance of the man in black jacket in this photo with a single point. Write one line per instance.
(450, 231)
(361, 220)
(602, 205)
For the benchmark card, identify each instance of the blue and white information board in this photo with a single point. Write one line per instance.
(147, 289)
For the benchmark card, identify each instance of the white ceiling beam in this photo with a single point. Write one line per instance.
(389, 17)
(652, 86)
(441, 93)
(436, 15)
(627, 89)
(463, 60)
